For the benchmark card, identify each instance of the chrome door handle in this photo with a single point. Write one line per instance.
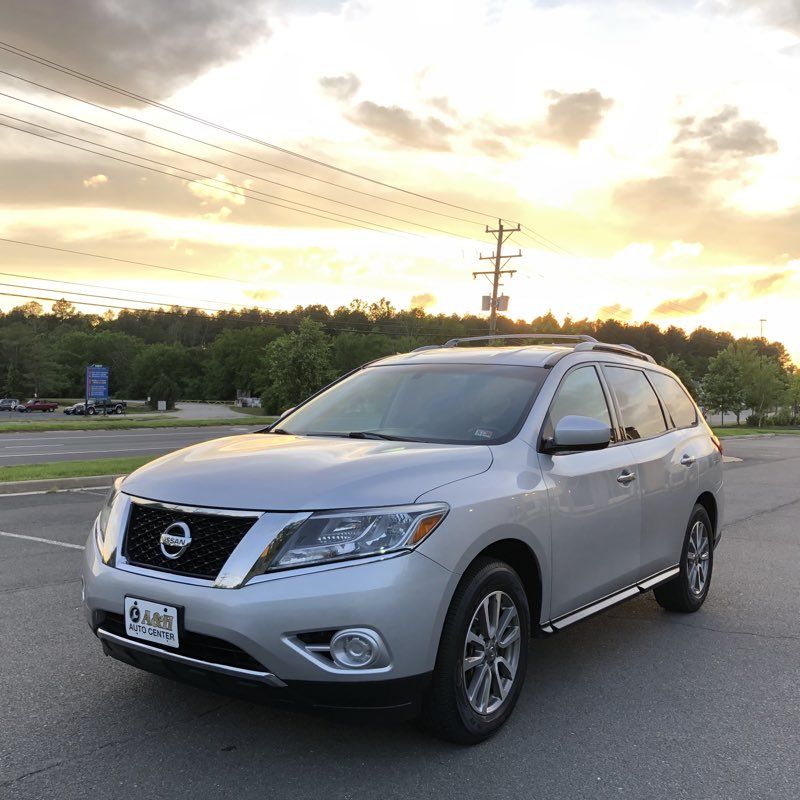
(687, 460)
(626, 477)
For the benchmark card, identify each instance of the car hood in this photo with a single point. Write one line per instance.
(302, 473)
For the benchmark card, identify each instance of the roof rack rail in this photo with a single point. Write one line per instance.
(623, 349)
(571, 337)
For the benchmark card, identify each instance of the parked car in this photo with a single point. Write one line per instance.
(75, 409)
(110, 407)
(8, 404)
(37, 404)
(395, 540)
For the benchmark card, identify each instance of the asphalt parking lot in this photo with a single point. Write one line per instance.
(635, 703)
(50, 446)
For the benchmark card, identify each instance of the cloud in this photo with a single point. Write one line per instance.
(615, 311)
(496, 148)
(151, 47)
(686, 202)
(683, 306)
(342, 87)
(768, 283)
(261, 295)
(400, 125)
(95, 181)
(218, 190)
(443, 105)
(571, 118)
(722, 136)
(424, 300)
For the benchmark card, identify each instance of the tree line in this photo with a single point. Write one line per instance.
(282, 356)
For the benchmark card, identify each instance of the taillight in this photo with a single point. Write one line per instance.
(717, 443)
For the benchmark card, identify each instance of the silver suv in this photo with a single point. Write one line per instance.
(395, 540)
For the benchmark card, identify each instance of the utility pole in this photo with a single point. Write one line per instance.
(500, 234)
(762, 321)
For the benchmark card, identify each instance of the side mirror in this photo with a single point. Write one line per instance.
(576, 433)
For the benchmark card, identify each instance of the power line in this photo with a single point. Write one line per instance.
(240, 192)
(42, 61)
(227, 167)
(97, 82)
(123, 260)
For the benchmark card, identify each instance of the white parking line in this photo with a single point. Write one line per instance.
(150, 449)
(96, 490)
(44, 541)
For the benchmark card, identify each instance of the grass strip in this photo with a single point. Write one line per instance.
(124, 424)
(741, 430)
(72, 469)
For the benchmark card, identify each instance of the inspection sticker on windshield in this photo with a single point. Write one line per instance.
(150, 621)
(482, 433)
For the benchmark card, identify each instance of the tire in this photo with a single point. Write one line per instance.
(448, 710)
(117, 409)
(91, 411)
(688, 590)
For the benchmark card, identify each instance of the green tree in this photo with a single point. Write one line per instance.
(236, 359)
(164, 388)
(295, 366)
(173, 360)
(792, 398)
(677, 365)
(763, 380)
(351, 350)
(722, 385)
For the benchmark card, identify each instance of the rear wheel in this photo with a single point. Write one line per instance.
(687, 591)
(483, 655)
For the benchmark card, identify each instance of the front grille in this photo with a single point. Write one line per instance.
(214, 538)
(193, 645)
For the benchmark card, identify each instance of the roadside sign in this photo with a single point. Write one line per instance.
(96, 382)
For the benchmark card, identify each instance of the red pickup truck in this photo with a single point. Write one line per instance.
(37, 404)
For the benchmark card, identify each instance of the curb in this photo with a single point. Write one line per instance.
(56, 484)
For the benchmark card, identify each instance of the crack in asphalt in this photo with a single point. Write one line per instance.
(12, 589)
(113, 743)
(707, 628)
(765, 511)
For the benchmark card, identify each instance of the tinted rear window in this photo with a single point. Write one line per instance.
(678, 404)
(638, 403)
(449, 403)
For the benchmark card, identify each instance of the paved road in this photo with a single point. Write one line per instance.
(48, 446)
(636, 703)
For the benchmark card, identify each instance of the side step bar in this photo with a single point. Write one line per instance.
(611, 600)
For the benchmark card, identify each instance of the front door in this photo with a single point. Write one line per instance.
(595, 505)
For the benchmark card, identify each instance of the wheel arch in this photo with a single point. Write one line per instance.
(521, 558)
(709, 503)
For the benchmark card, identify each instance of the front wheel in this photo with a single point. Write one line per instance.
(483, 655)
(688, 590)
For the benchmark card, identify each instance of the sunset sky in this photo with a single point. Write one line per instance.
(655, 144)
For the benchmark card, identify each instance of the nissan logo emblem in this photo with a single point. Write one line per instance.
(175, 539)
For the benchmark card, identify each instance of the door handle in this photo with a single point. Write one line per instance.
(626, 477)
(687, 460)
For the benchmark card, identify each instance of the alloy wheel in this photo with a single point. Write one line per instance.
(698, 554)
(491, 652)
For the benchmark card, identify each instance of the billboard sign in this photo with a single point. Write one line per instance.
(96, 382)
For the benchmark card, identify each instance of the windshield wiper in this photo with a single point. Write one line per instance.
(375, 435)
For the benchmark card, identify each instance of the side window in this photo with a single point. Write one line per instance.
(580, 393)
(637, 402)
(679, 406)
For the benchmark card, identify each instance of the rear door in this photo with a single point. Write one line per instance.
(595, 509)
(665, 463)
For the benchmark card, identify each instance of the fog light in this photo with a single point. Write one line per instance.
(355, 649)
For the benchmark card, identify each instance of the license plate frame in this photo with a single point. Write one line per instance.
(140, 627)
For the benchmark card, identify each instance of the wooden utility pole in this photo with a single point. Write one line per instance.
(501, 233)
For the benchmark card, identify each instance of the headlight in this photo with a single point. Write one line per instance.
(328, 536)
(101, 525)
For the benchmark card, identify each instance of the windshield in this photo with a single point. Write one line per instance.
(448, 403)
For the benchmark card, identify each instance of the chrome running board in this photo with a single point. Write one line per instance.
(224, 669)
(611, 600)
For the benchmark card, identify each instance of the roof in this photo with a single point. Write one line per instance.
(529, 355)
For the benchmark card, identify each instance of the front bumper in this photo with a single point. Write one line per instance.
(403, 598)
